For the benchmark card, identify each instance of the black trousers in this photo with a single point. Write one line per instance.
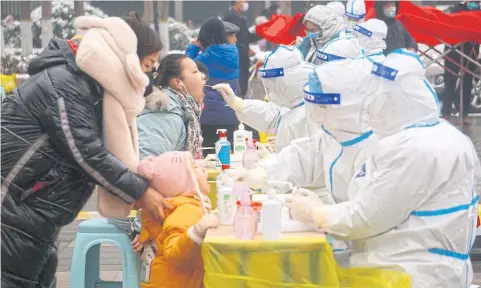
(244, 64)
(451, 92)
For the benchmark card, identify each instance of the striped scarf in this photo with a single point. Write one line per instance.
(194, 133)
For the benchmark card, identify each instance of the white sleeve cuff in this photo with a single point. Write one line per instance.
(319, 215)
(237, 104)
(193, 236)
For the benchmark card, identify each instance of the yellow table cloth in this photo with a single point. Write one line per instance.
(293, 261)
(296, 260)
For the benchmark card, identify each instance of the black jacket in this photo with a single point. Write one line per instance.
(397, 35)
(244, 37)
(52, 156)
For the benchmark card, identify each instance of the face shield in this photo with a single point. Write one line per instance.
(371, 35)
(283, 76)
(355, 13)
(317, 101)
(338, 49)
(404, 97)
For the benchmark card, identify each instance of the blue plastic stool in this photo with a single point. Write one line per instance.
(85, 269)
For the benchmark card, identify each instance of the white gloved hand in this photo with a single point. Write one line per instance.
(300, 208)
(229, 96)
(264, 152)
(255, 178)
(197, 232)
(305, 210)
(306, 193)
(298, 40)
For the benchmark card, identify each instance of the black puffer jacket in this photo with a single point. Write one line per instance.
(52, 156)
(397, 35)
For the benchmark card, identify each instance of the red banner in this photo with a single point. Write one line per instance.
(425, 24)
(282, 29)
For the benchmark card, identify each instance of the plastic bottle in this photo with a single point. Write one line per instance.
(239, 139)
(226, 202)
(271, 216)
(250, 156)
(222, 151)
(245, 221)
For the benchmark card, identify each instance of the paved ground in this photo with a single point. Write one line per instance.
(110, 257)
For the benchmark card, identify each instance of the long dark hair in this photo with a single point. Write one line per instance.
(148, 41)
(169, 67)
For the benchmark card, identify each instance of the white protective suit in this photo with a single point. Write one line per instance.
(413, 203)
(338, 7)
(355, 13)
(283, 75)
(332, 157)
(330, 23)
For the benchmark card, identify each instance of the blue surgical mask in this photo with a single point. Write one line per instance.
(313, 35)
(472, 5)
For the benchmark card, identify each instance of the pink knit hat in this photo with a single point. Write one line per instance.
(171, 174)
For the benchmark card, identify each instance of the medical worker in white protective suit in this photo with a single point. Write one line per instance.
(355, 13)
(331, 157)
(413, 203)
(343, 46)
(322, 25)
(283, 76)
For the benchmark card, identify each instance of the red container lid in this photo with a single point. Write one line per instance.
(254, 204)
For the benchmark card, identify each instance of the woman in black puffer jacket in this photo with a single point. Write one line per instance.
(53, 153)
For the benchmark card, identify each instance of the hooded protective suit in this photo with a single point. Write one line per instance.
(413, 203)
(338, 7)
(355, 13)
(332, 157)
(339, 48)
(330, 24)
(283, 75)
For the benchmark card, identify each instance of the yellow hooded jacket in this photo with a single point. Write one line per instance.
(171, 259)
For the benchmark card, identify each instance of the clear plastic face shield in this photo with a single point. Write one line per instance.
(401, 100)
(283, 76)
(371, 35)
(352, 20)
(317, 102)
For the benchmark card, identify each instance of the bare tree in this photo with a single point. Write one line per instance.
(148, 11)
(26, 27)
(47, 24)
(78, 7)
(179, 10)
(163, 8)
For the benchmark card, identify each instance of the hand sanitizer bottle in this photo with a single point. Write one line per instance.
(250, 156)
(271, 216)
(245, 221)
(239, 142)
(222, 151)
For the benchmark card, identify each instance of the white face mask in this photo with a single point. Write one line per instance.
(245, 7)
(390, 12)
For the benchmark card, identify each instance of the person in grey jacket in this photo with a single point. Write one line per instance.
(397, 35)
(170, 120)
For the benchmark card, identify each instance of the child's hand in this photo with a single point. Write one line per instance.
(205, 223)
(136, 245)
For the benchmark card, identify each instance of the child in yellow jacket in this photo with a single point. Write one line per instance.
(172, 255)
